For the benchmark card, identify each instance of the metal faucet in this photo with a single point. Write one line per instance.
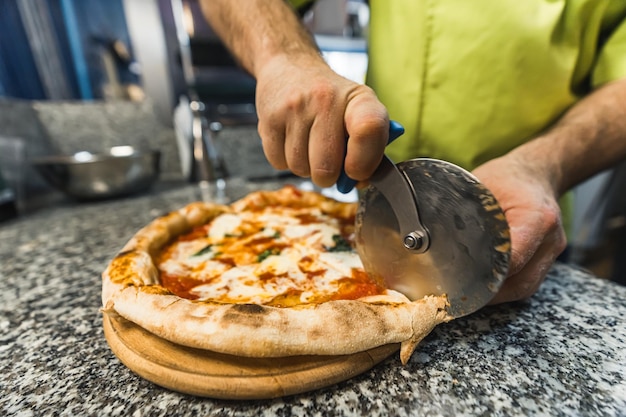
(207, 162)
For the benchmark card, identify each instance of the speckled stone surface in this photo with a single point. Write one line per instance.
(561, 353)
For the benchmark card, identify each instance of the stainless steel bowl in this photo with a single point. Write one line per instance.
(123, 170)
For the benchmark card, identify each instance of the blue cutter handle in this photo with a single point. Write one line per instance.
(345, 184)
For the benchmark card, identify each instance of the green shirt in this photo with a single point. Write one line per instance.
(472, 79)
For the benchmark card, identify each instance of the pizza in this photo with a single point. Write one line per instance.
(274, 274)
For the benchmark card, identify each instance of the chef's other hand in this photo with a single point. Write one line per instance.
(532, 211)
(306, 111)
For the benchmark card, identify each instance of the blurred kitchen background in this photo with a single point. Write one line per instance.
(86, 75)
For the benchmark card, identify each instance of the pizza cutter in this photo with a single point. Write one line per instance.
(428, 227)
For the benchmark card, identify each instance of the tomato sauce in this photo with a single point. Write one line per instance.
(180, 286)
(197, 232)
(358, 286)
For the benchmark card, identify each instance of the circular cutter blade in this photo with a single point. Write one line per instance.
(469, 250)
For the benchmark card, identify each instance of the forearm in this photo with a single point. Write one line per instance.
(590, 137)
(258, 31)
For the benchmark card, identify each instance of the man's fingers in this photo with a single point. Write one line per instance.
(368, 131)
(526, 281)
(327, 146)
(273, 138)
(307, 133)
(296, 147)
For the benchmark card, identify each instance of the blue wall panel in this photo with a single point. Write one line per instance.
(18, 72)
(84, 29)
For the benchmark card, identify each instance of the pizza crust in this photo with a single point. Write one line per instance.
(131, 289)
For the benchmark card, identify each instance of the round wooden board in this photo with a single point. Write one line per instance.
(211, 374)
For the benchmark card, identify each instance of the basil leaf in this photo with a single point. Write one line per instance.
(341, 245)
(203, 251)
(266, 253)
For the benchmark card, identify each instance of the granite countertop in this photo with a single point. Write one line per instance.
(560, 353)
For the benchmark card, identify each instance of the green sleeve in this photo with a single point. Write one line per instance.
(611, 61)
(301, 5)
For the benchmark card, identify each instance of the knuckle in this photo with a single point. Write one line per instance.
(265, 132)
(358, 171)
(298, 163)
(298, 167)
(364, 128)
(324, 176)
(294, 102)
(554, 224)
(324, 92)
(372, 123)
(552, 216)
(561, 243)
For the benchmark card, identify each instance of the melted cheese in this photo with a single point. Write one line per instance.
(277, 256)
(223, 225)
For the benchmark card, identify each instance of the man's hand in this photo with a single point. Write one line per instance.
(589, 137)
(533, 213)
(306, 112)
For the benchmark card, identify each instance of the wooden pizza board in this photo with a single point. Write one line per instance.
(211, 374)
